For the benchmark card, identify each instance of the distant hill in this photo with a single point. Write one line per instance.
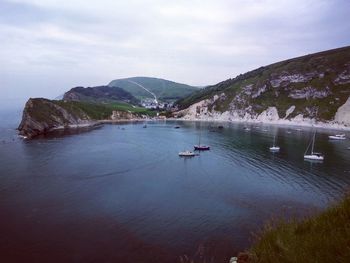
(145, 87)
(311, 86)
(100, 94)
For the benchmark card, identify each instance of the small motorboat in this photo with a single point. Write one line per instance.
(201, 148)
(177, 127)
(220, 127)
(186, 154)
(337, 137)
(246, 128)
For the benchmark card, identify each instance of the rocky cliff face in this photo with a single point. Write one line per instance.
(122, 115)
(41, 116)
(309, 88)
(343, 114)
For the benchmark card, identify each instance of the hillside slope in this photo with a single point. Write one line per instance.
(101, 94)
(321, 238)
(163, 89)
(309, 87)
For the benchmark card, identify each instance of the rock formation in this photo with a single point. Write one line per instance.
(343, 114)
(41, 116)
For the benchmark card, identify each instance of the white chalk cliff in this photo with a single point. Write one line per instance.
(343, 114)
(309, 90)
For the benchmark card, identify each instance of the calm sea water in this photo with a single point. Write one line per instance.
(120, 193)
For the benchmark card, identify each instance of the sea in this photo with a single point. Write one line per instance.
(121, 193)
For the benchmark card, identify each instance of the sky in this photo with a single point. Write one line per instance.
(50, 46)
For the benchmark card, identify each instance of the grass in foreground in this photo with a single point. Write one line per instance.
(322, 238)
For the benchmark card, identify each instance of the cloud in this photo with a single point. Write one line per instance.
(49, 46)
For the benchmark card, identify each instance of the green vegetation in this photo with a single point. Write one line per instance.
(164, 89)
(42, 111)
(320, 71)
(99, 111)
(100, 94)
(41, 115)
(323, 238)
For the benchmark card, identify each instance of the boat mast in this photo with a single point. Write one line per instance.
(313, 143)
(313, 139)
(200, 133)
(199, 142)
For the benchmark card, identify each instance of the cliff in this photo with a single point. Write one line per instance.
(311, 88)
(41, 116)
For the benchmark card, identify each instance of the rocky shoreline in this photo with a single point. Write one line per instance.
(306, 124)
(202, 111)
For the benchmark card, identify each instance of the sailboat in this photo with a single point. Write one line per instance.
(313, 155)
(200, 147)
(274, 148)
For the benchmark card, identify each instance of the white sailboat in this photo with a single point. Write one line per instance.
(313, 155)
(186, 154)
(274, 148)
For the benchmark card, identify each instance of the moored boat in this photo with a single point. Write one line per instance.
(274, 148)
(313, 156)
(202, 148)
(186, 154)
(337, 137)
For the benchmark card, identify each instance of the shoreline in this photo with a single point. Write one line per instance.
(85, 125)
(96, 123)
(281, 122)
(285, 123)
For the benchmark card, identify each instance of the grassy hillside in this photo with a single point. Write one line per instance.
(324, 238)
(320, 80)
(163, 89)
(100, 94)
(98, 111)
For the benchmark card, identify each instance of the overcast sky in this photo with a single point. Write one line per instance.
(49, 46)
